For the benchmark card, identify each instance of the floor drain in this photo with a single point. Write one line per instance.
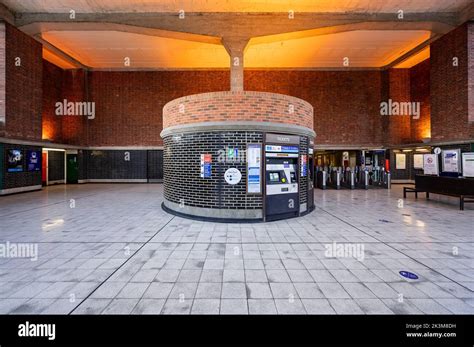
(409, 275)
(384, 221)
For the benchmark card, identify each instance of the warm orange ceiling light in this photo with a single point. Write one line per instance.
(57, 60)
(414, 59)
(363, 48)
(122, 50)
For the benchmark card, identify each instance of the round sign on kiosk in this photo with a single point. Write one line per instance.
(232, 176)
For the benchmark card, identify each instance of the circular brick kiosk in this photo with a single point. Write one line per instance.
(238, 156)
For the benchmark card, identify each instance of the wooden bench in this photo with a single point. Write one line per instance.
(462, 188)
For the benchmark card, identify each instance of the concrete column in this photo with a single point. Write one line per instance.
(235, 46)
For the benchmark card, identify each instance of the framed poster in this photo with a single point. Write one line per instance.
(450, 160)
(430, 164)
(206, 165)
(33, 160)
(304, 165)
(400, 161)
(254, 168)
(418, 161)
(14, 160)
(468, 164)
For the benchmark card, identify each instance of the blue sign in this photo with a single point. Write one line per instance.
(279, 149)
(290, 149)
(207, 170)
(409, 275)
(34, 160)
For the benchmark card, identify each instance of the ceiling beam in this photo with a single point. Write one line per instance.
(411, 52)
(231, 24)
(61, 53)
(6, 14)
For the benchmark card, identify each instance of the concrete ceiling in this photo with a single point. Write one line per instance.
(330, 6)
(109, 49)
(363, 48)
(103, 32)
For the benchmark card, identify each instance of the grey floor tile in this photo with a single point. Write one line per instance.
(345, 306)
(149, 306)
(158, 290)
(234, 291)
(206, 306)
(92, 306)
(289, 306)
(209, 290)
(308, 290)
(333, 291)
(234, 306)
(262, 306)
(317, 306)
(258, 290)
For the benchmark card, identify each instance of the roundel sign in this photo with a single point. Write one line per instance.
(437, 150)
(232, 176)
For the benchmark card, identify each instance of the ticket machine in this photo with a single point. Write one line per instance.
(281, 177)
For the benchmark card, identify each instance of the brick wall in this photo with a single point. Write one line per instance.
(52, 93)
(449, 87)
(182, 170)
(238, 106)
(129, 104)
(23, 86)
(2, 77)
(346, 103)
(420, 92)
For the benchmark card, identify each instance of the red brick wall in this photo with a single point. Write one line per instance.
(74, 128)
(2, 77)
(52, 93)
(449, 87)
(129, 105)
(420, 92)
(346, 104)
(399, 126)
(238, 106)
(23, 86)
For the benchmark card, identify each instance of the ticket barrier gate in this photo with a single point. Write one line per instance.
(334, 179)
(348, 179)
(380, 178)
(362, 179)
(321, 179)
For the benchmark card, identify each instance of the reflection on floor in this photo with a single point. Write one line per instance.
(111, 249)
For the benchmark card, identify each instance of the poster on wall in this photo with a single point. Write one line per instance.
(206, 160)
(468, 164)
(400, 161)
(430, 164)
(418, 161)
(33, 160)
(14, 160)
(254, 162)
(304, 165)
(450, 159)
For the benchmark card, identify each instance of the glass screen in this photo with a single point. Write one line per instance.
(274, 177)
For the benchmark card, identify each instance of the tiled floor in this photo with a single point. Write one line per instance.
(111, 249)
